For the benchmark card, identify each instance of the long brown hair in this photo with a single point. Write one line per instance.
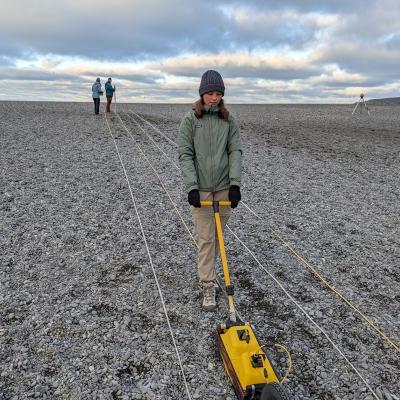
(199, 110)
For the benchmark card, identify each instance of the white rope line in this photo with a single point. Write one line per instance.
(321, 278)
(156, 129)
(162, 184)
(298, 305)
(342, 297)
(150, 260)
(155, 144)
(306, 314)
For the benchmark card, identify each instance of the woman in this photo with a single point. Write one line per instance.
(210, 159)
(96, 92)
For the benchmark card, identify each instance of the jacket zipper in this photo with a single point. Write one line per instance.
(211, 120)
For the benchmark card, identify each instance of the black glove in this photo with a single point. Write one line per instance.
(194, 198)
(234, 196)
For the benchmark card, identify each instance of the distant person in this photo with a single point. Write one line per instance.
(109, 93)
(96, 93)
(210, 156)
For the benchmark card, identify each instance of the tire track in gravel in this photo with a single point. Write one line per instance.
(318, 311)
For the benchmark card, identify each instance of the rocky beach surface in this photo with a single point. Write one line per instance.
(81, 316)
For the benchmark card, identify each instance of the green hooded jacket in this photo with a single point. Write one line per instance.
(210, 152)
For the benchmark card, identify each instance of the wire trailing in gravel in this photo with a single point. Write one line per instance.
(327, 283)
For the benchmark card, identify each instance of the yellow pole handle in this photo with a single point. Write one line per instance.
(222, 248)
(222, 251)
(210, 203)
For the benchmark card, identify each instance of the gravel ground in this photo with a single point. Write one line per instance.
(80, 312)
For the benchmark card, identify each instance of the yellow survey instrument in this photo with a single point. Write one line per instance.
(247, 365)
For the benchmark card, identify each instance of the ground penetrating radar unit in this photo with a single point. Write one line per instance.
(246, 363)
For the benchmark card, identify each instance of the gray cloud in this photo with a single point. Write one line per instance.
(393, 42)
(137, 78)
(124, 30)
(33, 75)
(136, 30)
(6, 61)
(266, 31)
(317, 6)
(378, 64)
(233, 70)
(350, 44)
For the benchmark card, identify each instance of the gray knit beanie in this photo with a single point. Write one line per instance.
(211, 81)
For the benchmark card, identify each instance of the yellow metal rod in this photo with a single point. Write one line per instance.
(222, 248)
(210, 203)
(221, 243)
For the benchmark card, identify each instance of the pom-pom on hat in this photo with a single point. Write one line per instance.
(211, 81)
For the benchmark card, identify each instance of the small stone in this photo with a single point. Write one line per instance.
(379, 393)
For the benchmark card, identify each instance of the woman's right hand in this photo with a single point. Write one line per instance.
(194, 198)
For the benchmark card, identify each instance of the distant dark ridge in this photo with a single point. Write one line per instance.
(387, 101)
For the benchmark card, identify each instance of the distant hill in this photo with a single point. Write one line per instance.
(388, 101)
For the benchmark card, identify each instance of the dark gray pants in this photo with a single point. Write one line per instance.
(96, 105)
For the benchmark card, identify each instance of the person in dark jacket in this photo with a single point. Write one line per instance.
(109, 93)
(210, 159)
(96, 93)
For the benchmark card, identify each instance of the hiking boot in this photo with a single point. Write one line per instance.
(209, 303)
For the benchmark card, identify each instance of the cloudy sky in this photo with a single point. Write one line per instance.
(277, 51)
